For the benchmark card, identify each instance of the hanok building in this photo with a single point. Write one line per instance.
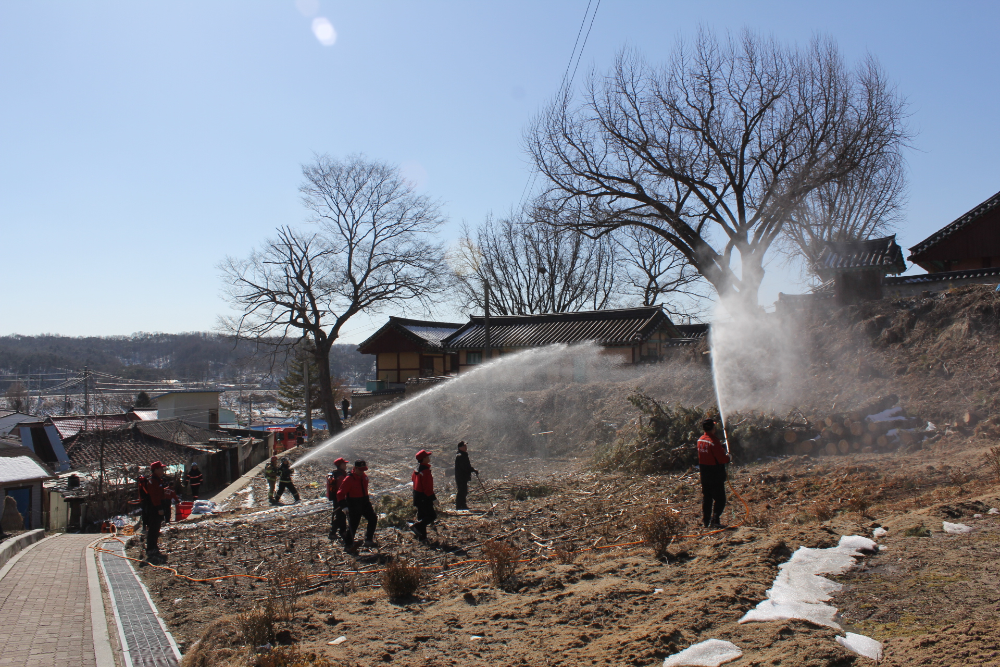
(633, 334)
(963, 252)
(406, 349)
(859, 268)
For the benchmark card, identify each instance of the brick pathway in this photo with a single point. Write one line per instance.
(45, 607)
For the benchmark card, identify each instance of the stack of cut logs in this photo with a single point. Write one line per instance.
(854, 431)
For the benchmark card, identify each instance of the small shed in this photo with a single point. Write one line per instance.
(195, 406)
(21, 477)
(858, 268)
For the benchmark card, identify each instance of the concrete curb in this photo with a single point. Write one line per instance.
(8, 548)
(239, 483)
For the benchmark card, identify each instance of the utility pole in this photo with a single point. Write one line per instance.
(487, 349)
(86, 396)
(308, 394)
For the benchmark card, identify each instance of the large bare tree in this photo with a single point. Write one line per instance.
(867, 203)
(371, 246)
(532, 267)
(714, 150)
(653, 272)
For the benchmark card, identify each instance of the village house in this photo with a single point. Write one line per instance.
(858, 268)
(195, 406)
(633, 335)
(21, 477)
(405, 349)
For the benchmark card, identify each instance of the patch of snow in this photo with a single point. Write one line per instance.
(248, 503)
(203, 507)
(879, 532)
(798, 590)
(475, 638)
(931, 426)
(993, 510)
(862, 645)
(977, 516)
(339, 640)
(890, 415)
(657, 590)
(709, 653)
(956, 528)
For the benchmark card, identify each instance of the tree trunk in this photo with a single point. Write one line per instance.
(333, 423)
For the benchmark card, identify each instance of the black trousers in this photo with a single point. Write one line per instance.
(153, 523)
(356, 509)
(713, 490)
(286, 486)
(425, 512)
(338, 522)
(462, 496)
(195, 488)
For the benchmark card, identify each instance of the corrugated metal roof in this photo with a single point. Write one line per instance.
(952, 227)
(883, 254)
(624, 326)
(70, 425)
(142, 414)
(20, 469)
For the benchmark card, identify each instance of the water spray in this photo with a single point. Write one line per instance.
(718, 393)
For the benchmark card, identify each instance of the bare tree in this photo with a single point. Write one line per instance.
(371, 249)
(715, 150)
(656, 273)
(17, 397)
(533, 267)
(867, 203)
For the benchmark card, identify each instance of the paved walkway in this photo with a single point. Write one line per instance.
(45, 606)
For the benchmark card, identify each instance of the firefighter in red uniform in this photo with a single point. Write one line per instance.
(712, 460)
(353, 492)
(155, 505)
(423, 495)
(338, 522)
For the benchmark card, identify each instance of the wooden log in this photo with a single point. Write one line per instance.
(831, 448)
(882, 441)
(857, 429)
(791, 436)
(844, 446)
(806, 447)
(867, 449)
(857, 416)
(868, 439)
(856, 446)
(969, 417)
(873, 427)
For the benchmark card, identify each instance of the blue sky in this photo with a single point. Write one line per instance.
(143, 142)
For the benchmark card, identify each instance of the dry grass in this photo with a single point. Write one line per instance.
(861, 500)
(564, 555)
(993, 461)
(501, 560)
(289, 656)
(659, 529)
(401, 579)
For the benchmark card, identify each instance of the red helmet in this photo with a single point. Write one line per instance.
(422, 453)
(340, 460)
(156, 464)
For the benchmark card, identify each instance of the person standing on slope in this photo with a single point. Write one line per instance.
(423, 495)
(155, 505)
(271, 475)
(285, 483)
(712, 460)
(353, 492)
(338, 522)
(463, 475)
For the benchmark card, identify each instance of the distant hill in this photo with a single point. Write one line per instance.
(195, 357)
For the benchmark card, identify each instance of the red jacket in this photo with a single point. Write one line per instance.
(423, 481)
(711, 451)
(152, 490)
(354, 485)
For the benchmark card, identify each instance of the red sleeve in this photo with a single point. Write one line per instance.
(344, 489)
(428, 483)
(719, 450)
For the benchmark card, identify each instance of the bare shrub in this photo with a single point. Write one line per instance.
(993, 461)
(256, 624)
(860, 501)
(659, 529)
(822, 511)
(501, 559)
(400, 579)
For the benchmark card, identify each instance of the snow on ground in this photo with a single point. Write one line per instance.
(709, 653)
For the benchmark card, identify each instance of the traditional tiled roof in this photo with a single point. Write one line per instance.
(421, 332)
(70, 425)
(943, 276)
(949, 229)
(871, 254)
(625, 326)
(695, 331)
(170, 441)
